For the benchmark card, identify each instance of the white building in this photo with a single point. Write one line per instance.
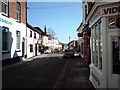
(33, 41)
(13, 28)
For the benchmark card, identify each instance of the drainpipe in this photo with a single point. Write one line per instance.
(26, 30)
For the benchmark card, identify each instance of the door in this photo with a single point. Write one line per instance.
(35, 49)
(23, 49)
(113, 55)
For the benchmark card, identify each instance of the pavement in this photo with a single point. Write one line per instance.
(75, 73)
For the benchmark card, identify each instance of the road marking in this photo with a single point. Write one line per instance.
(57, 84)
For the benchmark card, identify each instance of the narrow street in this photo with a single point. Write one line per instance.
(49, 71)
(38, 73)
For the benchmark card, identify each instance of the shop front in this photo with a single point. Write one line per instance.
(105, 46)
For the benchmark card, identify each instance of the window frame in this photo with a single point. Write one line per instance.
(110, 27)
(19, 40)
(97, 40)
(30, 33)
(31, 48)
(6, 5)
(34, 35)
(18, 12)
(7, 50)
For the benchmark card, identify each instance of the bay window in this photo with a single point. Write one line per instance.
(97, 45)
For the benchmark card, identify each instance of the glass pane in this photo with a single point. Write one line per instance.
(100, 45)
(100, 28)
(3, 8)
(112, 22)
(116, 55)
(17, 39)
(18, 7)
(96, 44)
(5, 38)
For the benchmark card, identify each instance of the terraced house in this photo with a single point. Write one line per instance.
(12, 29)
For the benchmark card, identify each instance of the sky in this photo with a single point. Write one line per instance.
(62, 17)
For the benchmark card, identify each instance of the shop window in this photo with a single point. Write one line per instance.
(93, 44)
(5, 33)
(17, 39)
(31, 48)
(97, 45)
(18, 11)
(116, 55)
(100, 45)
(30, 33)
(5, 7)
(114, 22)
(118, 22)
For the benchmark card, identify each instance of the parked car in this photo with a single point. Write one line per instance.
(47, 51)
(56, 51)
(68, 53)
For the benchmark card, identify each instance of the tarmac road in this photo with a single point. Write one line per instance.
(38, 73)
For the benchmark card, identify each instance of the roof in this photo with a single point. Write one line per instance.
(34, 29)
(40, 30)
(79, 26)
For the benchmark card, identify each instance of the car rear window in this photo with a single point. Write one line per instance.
(68, 50)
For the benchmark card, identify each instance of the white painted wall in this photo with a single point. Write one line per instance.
(12, 36)
(29, 41)
(33, 41)
(45, 40)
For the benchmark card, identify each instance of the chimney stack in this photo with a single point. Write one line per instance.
(45, 29)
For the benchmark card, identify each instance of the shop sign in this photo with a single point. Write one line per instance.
(5, 21)
(112, 10)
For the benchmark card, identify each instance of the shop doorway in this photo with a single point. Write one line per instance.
(113, 59)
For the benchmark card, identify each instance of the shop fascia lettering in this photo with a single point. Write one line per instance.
(112, 10)
(5, 21)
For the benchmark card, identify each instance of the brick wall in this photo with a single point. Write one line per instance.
(12, 10)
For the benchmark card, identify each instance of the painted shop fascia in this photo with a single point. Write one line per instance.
(12, 27)
(101, 74)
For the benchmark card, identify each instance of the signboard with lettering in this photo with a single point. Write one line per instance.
(5, 21)
(111, 10)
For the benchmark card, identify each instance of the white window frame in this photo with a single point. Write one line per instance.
(18, 12)
(6, 5)
(31, 33)
(19, 40)
(97, 41)
(6, 40)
